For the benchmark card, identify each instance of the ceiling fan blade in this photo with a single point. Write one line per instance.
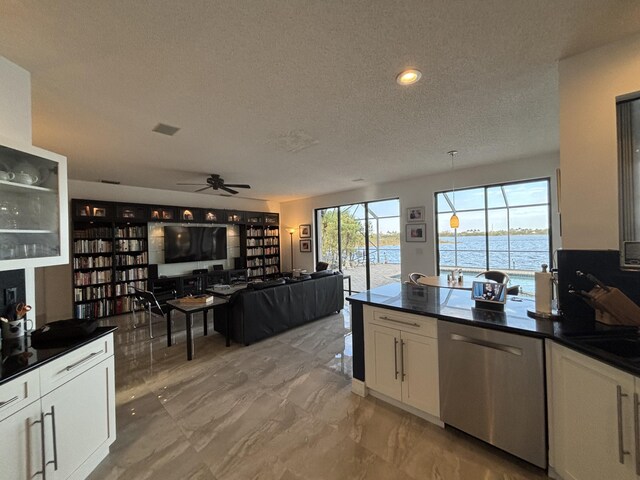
(201, 189)
(237, 185)
(192, 184)
(226, 189)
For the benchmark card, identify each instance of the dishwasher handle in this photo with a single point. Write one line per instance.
(486, 343)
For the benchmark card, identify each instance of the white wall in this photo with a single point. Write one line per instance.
(15, 102)
(413, 193)
(589, 85)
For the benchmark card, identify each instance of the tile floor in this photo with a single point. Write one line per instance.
(279, 409)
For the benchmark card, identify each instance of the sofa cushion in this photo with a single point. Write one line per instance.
(263, 285)
(322, 273)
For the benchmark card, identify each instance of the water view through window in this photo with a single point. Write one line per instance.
(502, 227)
(342, 241)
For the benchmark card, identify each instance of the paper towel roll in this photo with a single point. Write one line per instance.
(543, 292)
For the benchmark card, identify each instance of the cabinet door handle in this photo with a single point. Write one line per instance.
(636, 429)
(410, 324)
(402, 344)
(42, 472)
(395, 356)
(80, 362)
(52, 414)
(11, 400)
(621, 451)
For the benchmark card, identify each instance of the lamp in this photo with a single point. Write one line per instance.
(454, 221)
(291, 230)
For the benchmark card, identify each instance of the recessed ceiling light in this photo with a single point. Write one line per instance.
(408, 77)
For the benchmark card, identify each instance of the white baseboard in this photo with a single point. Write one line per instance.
(407, 408)
(358, 387)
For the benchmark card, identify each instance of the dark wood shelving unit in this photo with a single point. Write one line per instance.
(105, 234)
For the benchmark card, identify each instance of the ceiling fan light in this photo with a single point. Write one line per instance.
(454, 221)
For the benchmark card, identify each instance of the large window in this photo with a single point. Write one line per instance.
(342, 241)
(502, 227)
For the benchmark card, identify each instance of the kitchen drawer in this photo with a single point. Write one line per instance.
(17, 394)
(405, 321)
(63, 369)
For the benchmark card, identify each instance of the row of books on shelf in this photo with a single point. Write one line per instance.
(260, 271)
(255, 242)
(82, 294)
(101, 308)
(125, 288)
(271, 232)
(92, 246)
(271, 241)
(271, 250)
(91, 262)
(131, 231)
(255, 251)
(124, 260)
(254, 232)
(130, 245)
(92, 293)
(272, 261)
(104, 307)
(255, 262)
(89, 278)
(95, 232)
(131, 274)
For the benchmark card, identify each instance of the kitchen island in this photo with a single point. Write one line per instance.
(432, 352)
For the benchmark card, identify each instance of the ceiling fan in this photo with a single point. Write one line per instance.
(215, 182)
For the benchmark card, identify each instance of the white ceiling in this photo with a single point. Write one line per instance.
(245, 80)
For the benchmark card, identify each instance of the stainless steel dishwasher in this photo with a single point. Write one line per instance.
(492, 387)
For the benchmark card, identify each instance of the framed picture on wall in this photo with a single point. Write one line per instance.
(305, 245)
(417, 232)
(415, 214)
(305, 231)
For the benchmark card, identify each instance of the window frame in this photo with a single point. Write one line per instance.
(486, 209)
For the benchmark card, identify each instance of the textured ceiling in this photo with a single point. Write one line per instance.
(297, 98)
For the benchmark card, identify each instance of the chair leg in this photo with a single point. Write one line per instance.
(150, 323)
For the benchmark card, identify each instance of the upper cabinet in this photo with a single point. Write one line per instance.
(34, 210)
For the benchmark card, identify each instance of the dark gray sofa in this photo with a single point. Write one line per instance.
(272, 309)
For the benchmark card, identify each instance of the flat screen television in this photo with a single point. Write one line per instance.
(194, 244)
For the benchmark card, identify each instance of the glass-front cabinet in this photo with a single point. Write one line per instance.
(33, 207)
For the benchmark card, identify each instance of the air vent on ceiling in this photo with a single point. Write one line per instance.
(165, 129)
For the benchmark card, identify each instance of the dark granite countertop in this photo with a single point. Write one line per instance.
(19, 357)
(456, 305)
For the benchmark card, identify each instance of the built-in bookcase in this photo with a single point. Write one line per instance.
(109, 257)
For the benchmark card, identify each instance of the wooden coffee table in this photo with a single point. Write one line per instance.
(189, 309)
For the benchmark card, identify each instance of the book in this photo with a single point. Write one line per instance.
(196, 299)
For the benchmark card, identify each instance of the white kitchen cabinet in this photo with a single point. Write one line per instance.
(69, 424)
(591, 415)
(401, 358)
(34, 210)
(80, 411)
(21, 452)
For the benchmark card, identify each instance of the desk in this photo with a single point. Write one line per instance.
(437, 281)
(189, 309)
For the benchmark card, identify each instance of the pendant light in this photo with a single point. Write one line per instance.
(454, 221)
